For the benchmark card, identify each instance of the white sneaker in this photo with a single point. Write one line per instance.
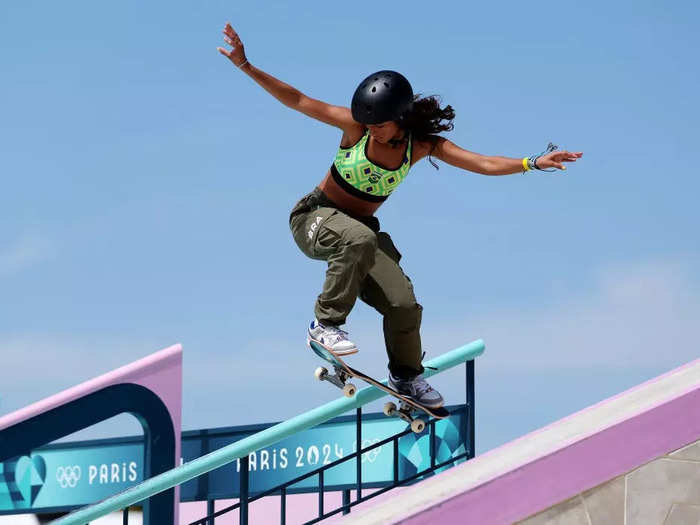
(331, 338)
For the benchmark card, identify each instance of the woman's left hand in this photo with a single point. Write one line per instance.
(556, 158)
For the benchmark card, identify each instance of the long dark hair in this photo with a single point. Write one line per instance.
(425, 120)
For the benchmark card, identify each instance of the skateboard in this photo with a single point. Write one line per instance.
(343, 372)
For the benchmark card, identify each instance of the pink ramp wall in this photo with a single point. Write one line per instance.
(555, 463)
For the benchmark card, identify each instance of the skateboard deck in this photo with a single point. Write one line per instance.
(408, 405)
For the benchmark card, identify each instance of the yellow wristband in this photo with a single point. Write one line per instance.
(525, 166)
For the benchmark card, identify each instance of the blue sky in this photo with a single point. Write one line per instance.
(147, 184)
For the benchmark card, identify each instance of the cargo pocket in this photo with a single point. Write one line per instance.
(386, 245)
(312, 238)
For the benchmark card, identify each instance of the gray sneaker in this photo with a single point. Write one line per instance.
(332, 338)
(417, 389)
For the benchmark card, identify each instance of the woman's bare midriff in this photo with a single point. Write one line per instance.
(344, 201)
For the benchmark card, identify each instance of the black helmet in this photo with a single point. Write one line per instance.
(382, 96)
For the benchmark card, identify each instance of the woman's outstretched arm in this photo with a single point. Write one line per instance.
(452, 154)
(291, 97)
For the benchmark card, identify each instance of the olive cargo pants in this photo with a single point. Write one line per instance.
(361, 263)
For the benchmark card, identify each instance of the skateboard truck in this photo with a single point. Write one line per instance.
(338, 379)
(405, 412)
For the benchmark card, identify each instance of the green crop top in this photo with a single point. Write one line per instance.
(354, 172)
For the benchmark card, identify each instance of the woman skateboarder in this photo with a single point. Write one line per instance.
(385, 132)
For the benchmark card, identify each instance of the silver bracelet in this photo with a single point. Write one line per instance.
(243, 64)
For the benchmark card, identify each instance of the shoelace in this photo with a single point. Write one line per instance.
(421, 386)
(417, 386)
(336, 334)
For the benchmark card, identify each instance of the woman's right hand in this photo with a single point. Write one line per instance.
(237, 54)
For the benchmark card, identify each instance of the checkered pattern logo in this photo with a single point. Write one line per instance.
(359, 172)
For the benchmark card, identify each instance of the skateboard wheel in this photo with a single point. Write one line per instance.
(349, 390)
(418, 426)
(390, 409)
(320, 373)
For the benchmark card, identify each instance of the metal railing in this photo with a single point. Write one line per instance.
(282, 489)
(241, 449)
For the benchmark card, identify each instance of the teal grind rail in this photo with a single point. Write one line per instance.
(262, 439)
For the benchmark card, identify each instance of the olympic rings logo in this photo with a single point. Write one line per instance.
(68, 476)
(371, 455)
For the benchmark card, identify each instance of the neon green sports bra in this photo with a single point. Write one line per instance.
(354, 172)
